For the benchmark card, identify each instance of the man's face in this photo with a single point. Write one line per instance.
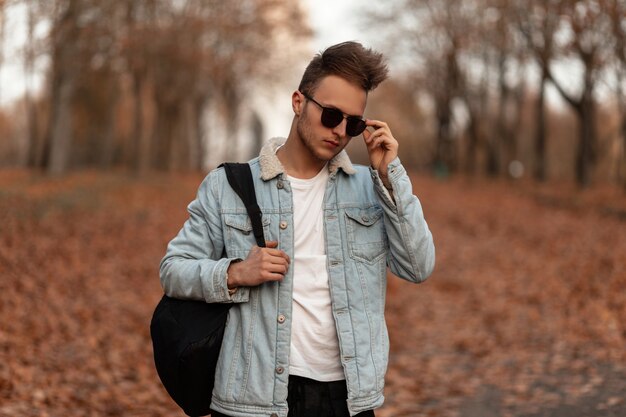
(323, 142)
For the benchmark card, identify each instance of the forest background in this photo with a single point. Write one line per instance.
(511, 117)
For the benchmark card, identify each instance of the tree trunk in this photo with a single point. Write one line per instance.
(623, 164)
(540, 131)
(176, 160)
(163, 136)
(623, 156)
(145, 139)
(493, 139)
(63, 85)
(473, 137)
(34, 159)
(621, 106)
(182, 154)
(200, 132)
(189, 128)
(108, 146)
(493, 160)
(33, 144)
(231, 101)
(61, 126)
(585, 110)
(502, 132)
(585, 155)
(257, 132)
(512, 122)
(156, 143)
(134, 145)
(445, 157)
(107, 154)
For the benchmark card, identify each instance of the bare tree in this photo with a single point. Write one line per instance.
(203, 52)
(457, 47)
(465, 35)
(510, 61)
(168, 58)
(616, 10)
(433, 33)
(588, 26)
(538, 22)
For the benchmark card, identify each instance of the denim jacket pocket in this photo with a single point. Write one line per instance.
(366, 234)
(238, 236)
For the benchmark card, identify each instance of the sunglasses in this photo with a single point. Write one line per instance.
(331, 117)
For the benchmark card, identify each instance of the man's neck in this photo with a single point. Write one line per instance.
(297, 160)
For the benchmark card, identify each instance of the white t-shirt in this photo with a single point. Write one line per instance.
(314, 345)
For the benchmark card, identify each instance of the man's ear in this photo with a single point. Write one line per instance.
(297, 102)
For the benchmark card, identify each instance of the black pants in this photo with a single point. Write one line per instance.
(309, 398)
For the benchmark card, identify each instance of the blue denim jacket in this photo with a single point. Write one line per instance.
(365, 231)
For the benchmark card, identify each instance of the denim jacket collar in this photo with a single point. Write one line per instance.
(271, 166)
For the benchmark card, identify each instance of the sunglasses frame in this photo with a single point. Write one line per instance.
(355, 125)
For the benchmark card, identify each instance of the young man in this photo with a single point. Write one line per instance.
(307, 334)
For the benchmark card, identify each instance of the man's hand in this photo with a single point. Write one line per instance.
(382, 148)
(261, 265)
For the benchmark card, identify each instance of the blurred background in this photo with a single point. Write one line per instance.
(505, 88)
(511, 118)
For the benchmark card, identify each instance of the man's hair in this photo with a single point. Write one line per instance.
(351, 61)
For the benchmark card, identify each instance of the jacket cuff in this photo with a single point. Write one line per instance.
(219, 290)
(395, 170)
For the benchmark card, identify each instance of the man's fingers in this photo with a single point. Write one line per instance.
(376, 124)
(270, 249)
(374, 142)
(366, 135)
(274, 268)
(272, 276)
(277, 268)
(276, 253)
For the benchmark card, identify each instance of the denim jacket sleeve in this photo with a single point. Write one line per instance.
(193, 266)
(411, 248)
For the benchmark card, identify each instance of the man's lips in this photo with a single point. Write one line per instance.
(332, 143)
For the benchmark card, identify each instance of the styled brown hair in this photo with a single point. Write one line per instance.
(351, 61)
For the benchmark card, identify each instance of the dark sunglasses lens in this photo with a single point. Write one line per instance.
(331, 117)
(355, 127)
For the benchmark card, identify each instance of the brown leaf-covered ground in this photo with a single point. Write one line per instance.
(525, 314)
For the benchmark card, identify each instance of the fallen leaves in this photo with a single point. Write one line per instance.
(526, 310)
(526, 301)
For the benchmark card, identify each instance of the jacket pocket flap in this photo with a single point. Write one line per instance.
(242, 221)
(365, 216)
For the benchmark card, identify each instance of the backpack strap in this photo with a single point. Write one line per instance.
(240, 179)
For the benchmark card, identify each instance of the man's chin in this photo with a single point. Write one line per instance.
(326, 153)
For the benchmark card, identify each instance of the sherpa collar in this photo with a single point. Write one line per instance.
(271, 166)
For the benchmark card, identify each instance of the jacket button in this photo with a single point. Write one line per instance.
(283, 225)
(280, 370)
(365, 219)
(281, 318)
(280, 185)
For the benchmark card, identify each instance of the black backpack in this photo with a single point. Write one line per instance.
(187, 335)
